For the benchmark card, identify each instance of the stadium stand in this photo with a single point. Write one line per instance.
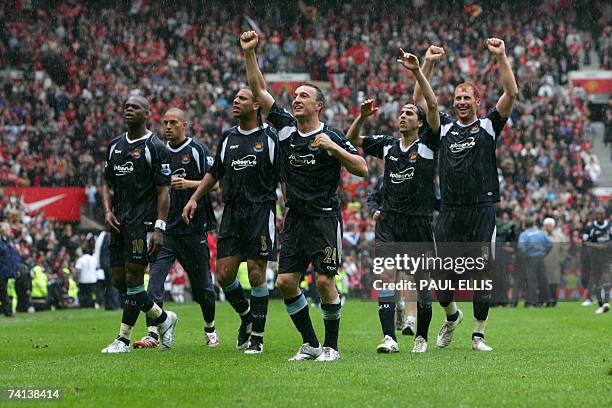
(66, 68)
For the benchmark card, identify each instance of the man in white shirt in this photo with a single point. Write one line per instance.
(86, 267)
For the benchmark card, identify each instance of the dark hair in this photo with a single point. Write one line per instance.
(320, 95)
(421, 114)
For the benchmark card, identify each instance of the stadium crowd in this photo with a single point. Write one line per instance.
(66, 68)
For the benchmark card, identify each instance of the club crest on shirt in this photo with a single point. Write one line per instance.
(258, 147)
(312, 147)
(135, 153)
(185, 159)
(412, 158)
(474, 129)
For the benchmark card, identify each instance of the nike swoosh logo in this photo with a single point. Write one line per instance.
(37, 205)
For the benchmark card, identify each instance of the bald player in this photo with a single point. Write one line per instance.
(187, 243)
(136, 198)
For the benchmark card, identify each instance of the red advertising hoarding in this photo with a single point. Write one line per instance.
(58, 203)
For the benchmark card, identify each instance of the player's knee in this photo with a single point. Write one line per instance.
(224, 280)
(325, 283)
(256, 280)
(257, 273)
(226, 274)
(286, 282)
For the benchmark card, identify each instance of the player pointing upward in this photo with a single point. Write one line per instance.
(408, 196)
(312, 154)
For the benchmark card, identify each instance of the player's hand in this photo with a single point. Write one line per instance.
(376, 215)
(178, 183)
(434, 53)
(249, 40)
(111, 221)
(189, 211)
(323, 141)
(156, 242)
(409, 61)
(496, 46)
(368, 108)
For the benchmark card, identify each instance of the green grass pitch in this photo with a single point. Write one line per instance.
(541, 358)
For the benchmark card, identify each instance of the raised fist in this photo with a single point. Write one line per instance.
(496, 46)
(249, 40)
(434, 53)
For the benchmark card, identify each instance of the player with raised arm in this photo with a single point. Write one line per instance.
(137, 171)
(408, 196)
(469, 182)
(312, 155)
(189, 162)
(246, 166)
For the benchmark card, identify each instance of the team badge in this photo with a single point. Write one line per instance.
(258, 147)
(135, 153)
(474, 129)
(185, 159)
(412, 158)
(312, 147)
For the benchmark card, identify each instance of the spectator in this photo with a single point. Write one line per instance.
(40, 283)
(555, 257)
(9, 262)
(535, 245)
(86, 277)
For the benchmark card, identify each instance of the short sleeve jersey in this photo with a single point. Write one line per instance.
(246, 165)
(311, 174)
(468, 165)
(409, 173)
(134, 168)
(190, 161)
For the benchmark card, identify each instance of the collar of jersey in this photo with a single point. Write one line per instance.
(139, 139)
(178, 149)
(605, 224)
(317, 130)
(468, 125)
(409, 146)
(248, 132)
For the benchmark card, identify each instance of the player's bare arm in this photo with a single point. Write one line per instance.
(432, 56)
(354, 163)
(163, 206)
(204, 186)
(411, 63)
(257, 83)
(506, 101)
(109, 216)
(367, 110)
